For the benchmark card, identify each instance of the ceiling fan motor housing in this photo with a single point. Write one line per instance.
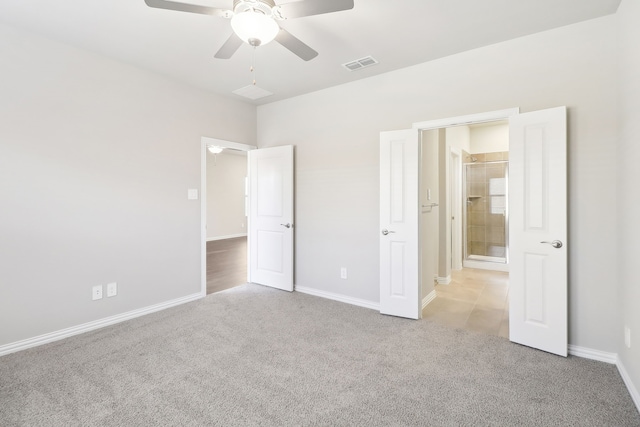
(253, 21)
(261, 6)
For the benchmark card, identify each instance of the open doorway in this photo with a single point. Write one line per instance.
(269, 213)
(224, 214)
(464, 226)
(226, 218)
(537, 227)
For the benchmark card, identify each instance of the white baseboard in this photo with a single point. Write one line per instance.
(96, 324)
(589, 353)
(612, 358)
(484, 265)
(230, 236)
(633, 391)
(444, 280)
(426, 300)
(338, 297)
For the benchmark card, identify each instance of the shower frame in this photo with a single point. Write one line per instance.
(484, 260)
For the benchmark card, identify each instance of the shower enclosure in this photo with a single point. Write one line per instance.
(486, 214)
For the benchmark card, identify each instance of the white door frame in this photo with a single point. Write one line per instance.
(489, 116)
(471, 119)
(204, 143)
(454, 183)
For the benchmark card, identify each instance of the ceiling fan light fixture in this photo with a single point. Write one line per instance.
(254, 27)
(214, 149)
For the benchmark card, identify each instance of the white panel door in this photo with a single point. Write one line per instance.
(538, 230)
(399, 215)
(271, 217)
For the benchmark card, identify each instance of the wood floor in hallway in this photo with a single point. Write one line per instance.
(226, 264)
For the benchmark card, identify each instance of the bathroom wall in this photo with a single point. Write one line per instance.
(489, 138)
(459, 137)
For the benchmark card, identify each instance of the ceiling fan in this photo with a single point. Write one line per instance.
(255, 22)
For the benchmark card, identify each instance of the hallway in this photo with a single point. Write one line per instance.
(226, 264)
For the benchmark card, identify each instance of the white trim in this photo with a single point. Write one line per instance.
(590, 353)
(444, 280)
(455, 166)
(426, 300)
(612, 358)
(203, 217)
(633, 391)
(204, 142)
(90, 326)
(489, 116)
(338, 297)
(230, 236)
(226, 144)
(485, 265)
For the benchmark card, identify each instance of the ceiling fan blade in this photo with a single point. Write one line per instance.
(294, 44)
(229, 47)
(314, 7)
(184, 7)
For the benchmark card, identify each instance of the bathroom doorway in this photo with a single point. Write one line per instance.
(464, 182)
(538, 230)
(485, 197)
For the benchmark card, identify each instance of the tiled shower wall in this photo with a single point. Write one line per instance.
(486, 204)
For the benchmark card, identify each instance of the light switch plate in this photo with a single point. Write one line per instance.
(192, 194)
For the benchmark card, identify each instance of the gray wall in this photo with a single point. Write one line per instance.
(628, 176)
(336, 133)
(95, 161)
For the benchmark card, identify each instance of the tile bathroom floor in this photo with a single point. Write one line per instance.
(475, 299)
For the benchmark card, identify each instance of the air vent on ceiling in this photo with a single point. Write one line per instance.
(252, 92)
(361, 63)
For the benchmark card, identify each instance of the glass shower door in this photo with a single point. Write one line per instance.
(486, 231)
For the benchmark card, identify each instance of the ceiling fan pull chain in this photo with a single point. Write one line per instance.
(253, 60)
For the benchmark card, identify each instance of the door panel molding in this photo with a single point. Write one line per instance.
(271, 230)
(399, 251)
(538, 310)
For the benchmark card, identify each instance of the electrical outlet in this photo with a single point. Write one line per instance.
(627, 336)
(343, 273)
(96, 292)
(112, 289)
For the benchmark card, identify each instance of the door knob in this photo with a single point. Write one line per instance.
(385, 232)
(556, 244)
(287, 225)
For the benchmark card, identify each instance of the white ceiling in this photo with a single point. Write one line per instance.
(398, 33)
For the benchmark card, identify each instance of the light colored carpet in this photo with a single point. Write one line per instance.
(257, 356)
